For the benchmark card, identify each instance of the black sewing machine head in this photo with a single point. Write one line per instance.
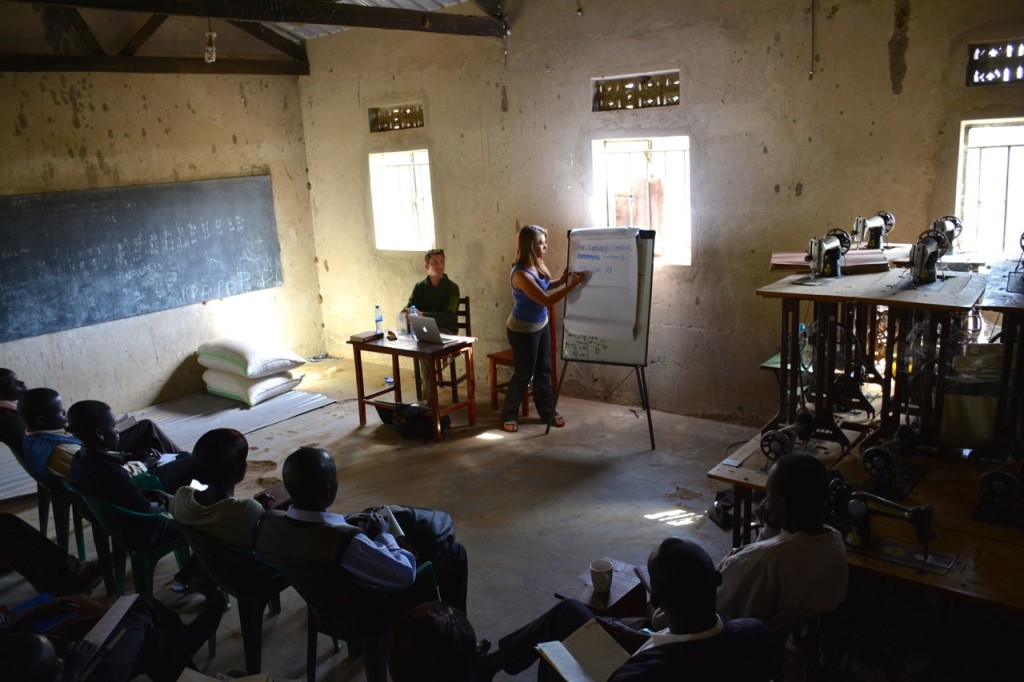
(874, 229)
(852, 510)
(781, 442)
(924, 255)
(951, 227)
(824, 254)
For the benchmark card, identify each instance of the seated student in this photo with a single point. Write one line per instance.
(308, 534)
(698, 644)
(41, 562)
(48, 448)
(12, 426)
(152, 641)
(219, 462)
(434, 641)
(97, 470)
(436, 296)
(799, 572)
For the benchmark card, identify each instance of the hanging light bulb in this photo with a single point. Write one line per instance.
(210, 55)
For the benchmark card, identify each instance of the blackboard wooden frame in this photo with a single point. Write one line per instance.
(73, 259)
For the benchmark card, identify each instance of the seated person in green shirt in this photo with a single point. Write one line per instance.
(436, 296)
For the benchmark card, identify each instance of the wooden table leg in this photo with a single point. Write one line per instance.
(741, 515)
(360, 393)
(435, 401)
(471, 386)
(494, 383)
(397, 376)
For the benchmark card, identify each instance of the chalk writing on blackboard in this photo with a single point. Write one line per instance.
(71, 259)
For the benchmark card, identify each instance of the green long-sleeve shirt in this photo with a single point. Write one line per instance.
(440, 302)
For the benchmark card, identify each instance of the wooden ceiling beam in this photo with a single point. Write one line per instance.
(143, 34)
(84, 32)
(493, 8)
(74, 63)
(304, 12)
(293, 48)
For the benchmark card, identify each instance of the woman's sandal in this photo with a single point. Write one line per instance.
(558, 422)
(510, 427)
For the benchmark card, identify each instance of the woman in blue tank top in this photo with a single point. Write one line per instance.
(529, 333)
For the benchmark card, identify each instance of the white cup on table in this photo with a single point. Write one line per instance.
(601, 575)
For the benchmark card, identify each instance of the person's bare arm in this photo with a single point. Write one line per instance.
(522, 281)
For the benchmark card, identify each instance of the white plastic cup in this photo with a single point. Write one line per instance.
(601, 575)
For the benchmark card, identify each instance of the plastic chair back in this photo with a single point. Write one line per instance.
(109, 517)
(337, 605)
(238, 572)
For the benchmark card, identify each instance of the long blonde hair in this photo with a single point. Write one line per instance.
(526, 256)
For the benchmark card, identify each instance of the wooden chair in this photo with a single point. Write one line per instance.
(329, 597)
(240, 574)
(505, 359)
(464, 327)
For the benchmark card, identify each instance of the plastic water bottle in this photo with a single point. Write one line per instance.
(412, 312)
(378, 320)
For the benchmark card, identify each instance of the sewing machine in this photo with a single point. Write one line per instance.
(824, 254)
(951, 227)
(924, 255)
(781, 442)
(862, 505)
(852, 511)
(880, 461)
(874, 229)
(1001, 492)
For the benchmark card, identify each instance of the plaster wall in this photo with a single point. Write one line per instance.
(776, 157)
(78, 131)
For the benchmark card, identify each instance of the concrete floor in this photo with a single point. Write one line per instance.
(532, 510)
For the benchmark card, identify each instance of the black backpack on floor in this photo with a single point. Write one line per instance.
(413, 421)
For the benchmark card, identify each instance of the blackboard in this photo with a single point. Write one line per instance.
(607, 321)
(72, 259)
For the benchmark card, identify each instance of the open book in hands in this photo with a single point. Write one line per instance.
(588, 655)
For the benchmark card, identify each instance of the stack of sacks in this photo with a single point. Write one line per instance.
(246, 371)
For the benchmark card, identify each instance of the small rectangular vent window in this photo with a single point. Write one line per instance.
(399, 117)
(995, 63)
(636, 92)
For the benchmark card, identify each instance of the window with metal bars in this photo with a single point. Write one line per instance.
(636, 92)
(995, 63)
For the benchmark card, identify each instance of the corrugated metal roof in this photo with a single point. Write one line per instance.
(310, 31)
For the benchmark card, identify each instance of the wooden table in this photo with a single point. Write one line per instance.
(936, 308)
(835, 306)
(746, 470)
(989, 557)
(628, 597)
(405, 347)
(851, 303)
(1010, 404)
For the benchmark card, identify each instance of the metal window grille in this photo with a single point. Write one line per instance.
(401, 117)
(636, 92)
(995, 63)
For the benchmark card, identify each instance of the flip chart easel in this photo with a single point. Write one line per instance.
(608, 321)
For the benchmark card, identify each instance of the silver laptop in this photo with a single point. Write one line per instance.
(426, 331)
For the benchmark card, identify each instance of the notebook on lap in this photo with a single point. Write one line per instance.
(426, 331)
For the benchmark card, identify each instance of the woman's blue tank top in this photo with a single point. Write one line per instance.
(524, 308)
